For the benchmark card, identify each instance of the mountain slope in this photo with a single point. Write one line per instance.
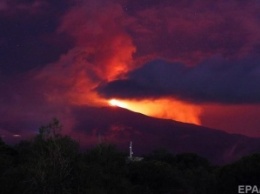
(119, 126)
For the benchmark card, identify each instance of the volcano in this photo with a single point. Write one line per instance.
(120, 126)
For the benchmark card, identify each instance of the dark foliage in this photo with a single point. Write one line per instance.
(53, 164)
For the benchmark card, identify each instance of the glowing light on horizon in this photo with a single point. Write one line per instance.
(162, 108)
(115, 102)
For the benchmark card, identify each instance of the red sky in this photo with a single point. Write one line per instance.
(191, 61)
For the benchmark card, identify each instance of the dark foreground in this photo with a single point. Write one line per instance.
(53, 164)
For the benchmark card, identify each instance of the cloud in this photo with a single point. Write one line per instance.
(191, 31)
(215, 80)
(38, 82)
(99, 32)
(107, 39)
(28, 7)
(3, 5)
(102, 50)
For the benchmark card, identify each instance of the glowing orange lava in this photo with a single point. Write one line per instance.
(114, 102)
(162, 108)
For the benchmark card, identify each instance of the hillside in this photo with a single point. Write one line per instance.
(119, 126)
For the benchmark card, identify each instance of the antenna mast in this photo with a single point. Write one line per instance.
(130, 150)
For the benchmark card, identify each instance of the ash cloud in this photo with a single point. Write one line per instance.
(216, 80)
(191, 31)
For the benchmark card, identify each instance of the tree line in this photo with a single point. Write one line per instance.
(52, 163)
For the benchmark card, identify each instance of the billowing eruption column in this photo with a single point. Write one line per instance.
(103, 51)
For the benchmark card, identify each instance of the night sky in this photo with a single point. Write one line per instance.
(192, 61)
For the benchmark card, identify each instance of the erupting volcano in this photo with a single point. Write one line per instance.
(194, 62)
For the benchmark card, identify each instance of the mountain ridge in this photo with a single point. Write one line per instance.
(120, 126)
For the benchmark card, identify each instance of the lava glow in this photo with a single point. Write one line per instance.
(162, 108)
(114, 102)
(107, 57)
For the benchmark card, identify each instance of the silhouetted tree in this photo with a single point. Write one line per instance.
(8, 167)
(245, 171)
(49, 161)
(102, 170)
